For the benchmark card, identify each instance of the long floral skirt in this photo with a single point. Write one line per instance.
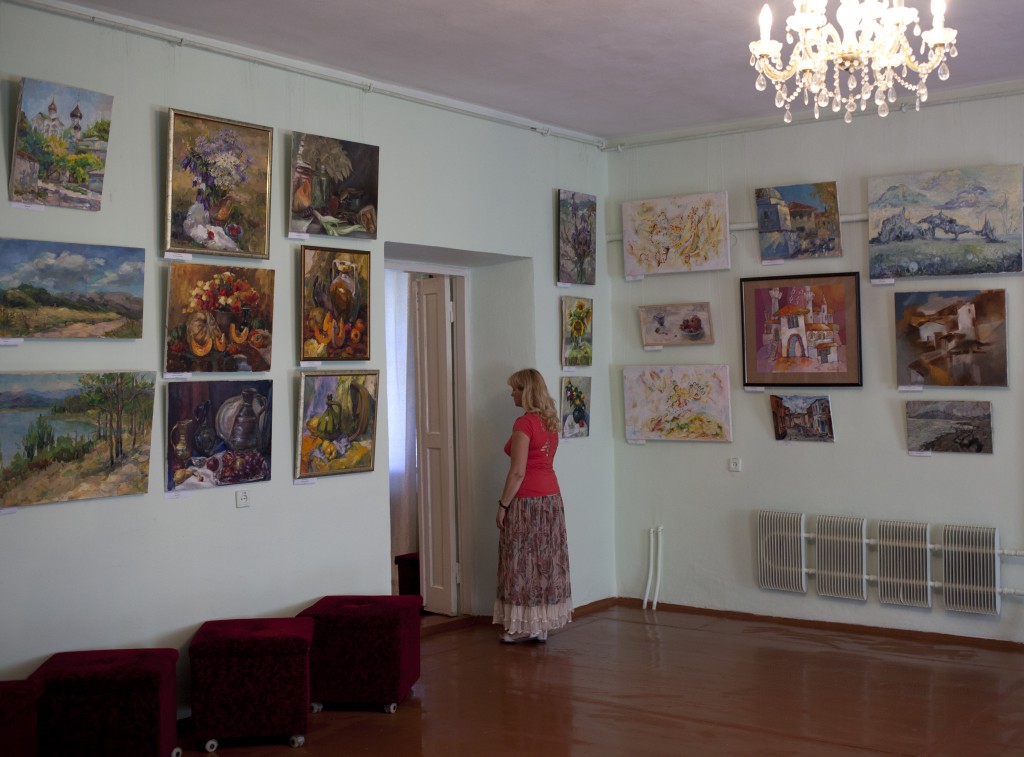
(533, 567)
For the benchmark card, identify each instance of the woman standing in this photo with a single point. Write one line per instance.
(534, 595)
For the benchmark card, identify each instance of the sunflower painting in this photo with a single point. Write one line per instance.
(577, 331)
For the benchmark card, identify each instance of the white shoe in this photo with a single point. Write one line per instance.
(539, 636)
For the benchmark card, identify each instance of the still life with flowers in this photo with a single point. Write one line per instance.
(577, 331)
(575, 407)
(219, 319)
(337, 423)
(677, 403)
(218, 196)
(577, 237)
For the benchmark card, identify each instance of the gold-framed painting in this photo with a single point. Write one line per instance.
(335, 320)
(218, 186)
(337, 429)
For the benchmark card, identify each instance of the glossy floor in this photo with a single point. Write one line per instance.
(622, 681)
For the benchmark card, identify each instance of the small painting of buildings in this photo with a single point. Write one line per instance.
(798, 221)
(795, 330)
(951, 338)
(802, 418)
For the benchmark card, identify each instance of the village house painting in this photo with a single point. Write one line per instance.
(60, 146)
(797, 418)
(951, 338)
(798, 221)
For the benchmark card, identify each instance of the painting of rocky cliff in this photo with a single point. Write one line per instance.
(958, 222)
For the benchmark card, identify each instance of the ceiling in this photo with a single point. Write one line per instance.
(605, 68)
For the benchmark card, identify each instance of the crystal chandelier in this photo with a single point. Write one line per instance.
(868, 61)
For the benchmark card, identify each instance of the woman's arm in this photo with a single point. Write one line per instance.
(516, 473)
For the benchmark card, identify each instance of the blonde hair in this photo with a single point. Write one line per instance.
(536, 398)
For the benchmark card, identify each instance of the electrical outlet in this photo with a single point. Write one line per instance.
(735, 465)
(242, 498)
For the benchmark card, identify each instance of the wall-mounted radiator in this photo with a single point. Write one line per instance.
(841, 557)
(970, 569)
(904, 564)
(780, 551)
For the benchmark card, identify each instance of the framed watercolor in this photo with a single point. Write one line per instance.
(60, 146)
(951, 338)
(577, 237)
(218, 186)
(218, 433)
(676, 234)
(333, 187)
(949, 426)
(798, 222)
(801, 330)
(802, 418)
(335, 304)
(74, 436)
(956, 222)
(337, 423)
(677, 403)
(62, 290)
(575, 407)
(577, 331)
(679, 324)
(219, 319)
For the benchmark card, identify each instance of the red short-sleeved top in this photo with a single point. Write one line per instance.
(540, 477)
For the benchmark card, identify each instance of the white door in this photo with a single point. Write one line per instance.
(435, 446)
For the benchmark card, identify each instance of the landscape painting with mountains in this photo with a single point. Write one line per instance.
(957, 222)
(65, 290)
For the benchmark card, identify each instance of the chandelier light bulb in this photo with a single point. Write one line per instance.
(871, 54)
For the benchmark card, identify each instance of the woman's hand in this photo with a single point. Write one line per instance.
(500, 517)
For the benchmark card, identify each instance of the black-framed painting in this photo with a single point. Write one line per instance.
(801, 330)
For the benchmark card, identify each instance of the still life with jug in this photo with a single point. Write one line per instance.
(219, 433)
(337, 423)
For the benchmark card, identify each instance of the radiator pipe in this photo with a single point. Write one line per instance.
(657, 581)
(650, 565)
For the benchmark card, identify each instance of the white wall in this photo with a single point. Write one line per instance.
(147, 570)
(707, 512)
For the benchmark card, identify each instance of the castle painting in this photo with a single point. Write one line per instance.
(798, 221)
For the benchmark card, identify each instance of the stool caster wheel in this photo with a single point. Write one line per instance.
(391, 709)
(315, 707)
(211, 745)
(176, 752)
(296, 741)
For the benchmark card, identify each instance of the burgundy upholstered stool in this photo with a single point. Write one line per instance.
(250, 678)
(18, 706)
(110, 701)
(366, 649)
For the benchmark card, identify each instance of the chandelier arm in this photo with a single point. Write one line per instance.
(765, 66)
(936, 55)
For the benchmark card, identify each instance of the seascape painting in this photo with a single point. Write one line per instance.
(60, 146)
(333, 187)
(951, 338)
(62, 290)
(337, 423)
(957, 222)
(218, 433)
(74, 436)
(575, 407)
(677, 403)
(679, 324)
(335, 304)
(798, 221)
(577, 237)
(949, 426)
(577, 331)
(676, 234)
(800, 418)
(219, 319)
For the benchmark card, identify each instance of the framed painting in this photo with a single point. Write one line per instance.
(949, 426)
(575, 407)
(335, 304)
(798, 221)
(74, 436)
(957, 222)
(62, 290)
(60, 146)
(337, 423)
(577, 237)
(577, 331)
(219, 319)
(801, 330)
(676, 234)
(677, 403)
(798, 418)
(218, 186)
(218, 433)
(333, 187)
(679, 324)
(951, 338)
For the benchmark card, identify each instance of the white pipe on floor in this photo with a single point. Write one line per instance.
(657, 582)
(650, 565)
